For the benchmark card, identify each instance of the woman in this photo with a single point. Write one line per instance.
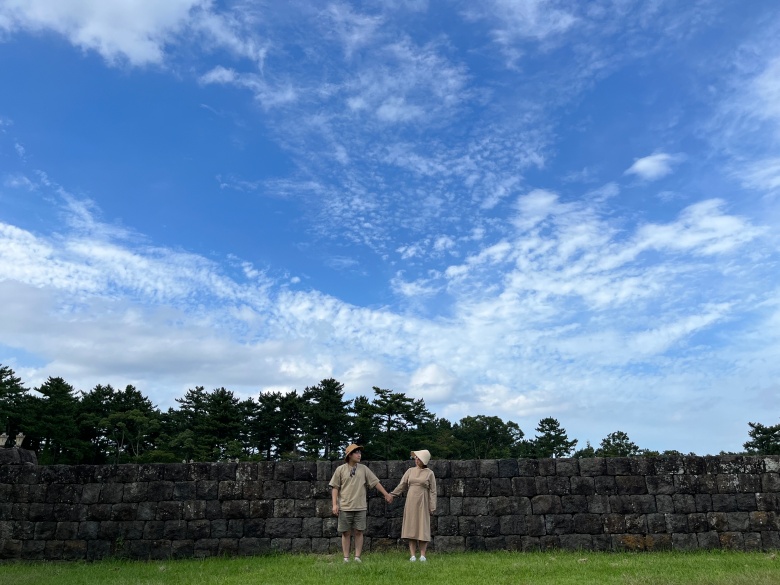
(420, 505)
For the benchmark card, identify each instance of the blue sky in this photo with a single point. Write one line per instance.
(523, 209)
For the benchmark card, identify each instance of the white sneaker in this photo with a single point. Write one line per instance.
(346, 560)
(412, 559)
(422, 559)
(357, 560)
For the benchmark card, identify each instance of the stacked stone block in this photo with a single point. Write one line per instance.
(161, 511)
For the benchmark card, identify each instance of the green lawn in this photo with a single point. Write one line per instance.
(556, 568)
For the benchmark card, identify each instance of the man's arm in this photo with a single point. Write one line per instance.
(383, 491)
(334, 497)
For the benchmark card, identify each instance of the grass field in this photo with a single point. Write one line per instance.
(557, 568)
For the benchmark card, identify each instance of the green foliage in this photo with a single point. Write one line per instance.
(325, 419)
(617, 444)
(14, 402)
(106, 425)
(487, 437)
(361, 424)
(120, 426)
(207, 426)
(764, 440)
(398, 419)
(585, 452)
(56, 430)
(551, 439)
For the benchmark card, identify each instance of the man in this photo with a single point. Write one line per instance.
(350, 483)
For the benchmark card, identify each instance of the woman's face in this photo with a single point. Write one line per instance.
(417, 462)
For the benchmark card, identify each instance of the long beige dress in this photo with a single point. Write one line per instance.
(420, 503)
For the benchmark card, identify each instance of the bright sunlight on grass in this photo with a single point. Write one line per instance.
(550, 568)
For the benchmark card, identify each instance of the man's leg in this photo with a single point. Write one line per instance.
(358, 543)
(345, 543)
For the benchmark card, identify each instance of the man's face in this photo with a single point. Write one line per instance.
(355, 456)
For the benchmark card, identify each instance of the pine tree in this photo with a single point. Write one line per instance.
(551, 440)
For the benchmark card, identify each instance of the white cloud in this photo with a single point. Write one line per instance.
(702, 229)
(219, 74)
(762, 174)
(395, 109)
(136, 30)
(654, 167)
(433, 383)
(19, 182)
(353, 30)
(765, 88)
(517, 348)
(535, 19)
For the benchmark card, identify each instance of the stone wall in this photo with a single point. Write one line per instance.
(205, 509)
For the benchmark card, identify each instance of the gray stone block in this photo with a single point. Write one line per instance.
(559, 485)
(182, 549)
(732, 540)
(588, 524)
(276, 528)
(685, 542)
(476, 487)
(463, 469)
(546, 505)
(475, 506)
(576, 542)
(605, 485)
(559, 524)
(207, 547)
(507, 468)
(169, 510)
(618, 466)
(501, 487)
(574, 504)
(524, 486)
(184, 490)
(724, 502)
(450, 544)
(584, 486)
(98, 549)
(488, 468)
(233, 509)
(630, 485)
(527, 467)
(593, 466)
(698, 522)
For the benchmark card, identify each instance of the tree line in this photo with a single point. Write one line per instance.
(109, 425)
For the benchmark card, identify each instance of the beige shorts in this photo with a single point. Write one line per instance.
(349, 520)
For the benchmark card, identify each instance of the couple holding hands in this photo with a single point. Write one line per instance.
(351, 482)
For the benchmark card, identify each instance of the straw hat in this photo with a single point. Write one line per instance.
(352, 447)
(423, 456)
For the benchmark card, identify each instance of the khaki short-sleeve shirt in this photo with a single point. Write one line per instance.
(353, 487)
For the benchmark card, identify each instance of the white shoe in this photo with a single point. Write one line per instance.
(357, 560)
(412, 559)
(346, 560)
(422, 559)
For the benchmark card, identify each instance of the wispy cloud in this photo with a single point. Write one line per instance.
(655, 166)
(570, 299)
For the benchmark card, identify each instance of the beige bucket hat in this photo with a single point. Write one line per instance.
(352, 447)
(423, 456)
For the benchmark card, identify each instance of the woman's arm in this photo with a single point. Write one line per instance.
(432, 493)
(403, 486)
